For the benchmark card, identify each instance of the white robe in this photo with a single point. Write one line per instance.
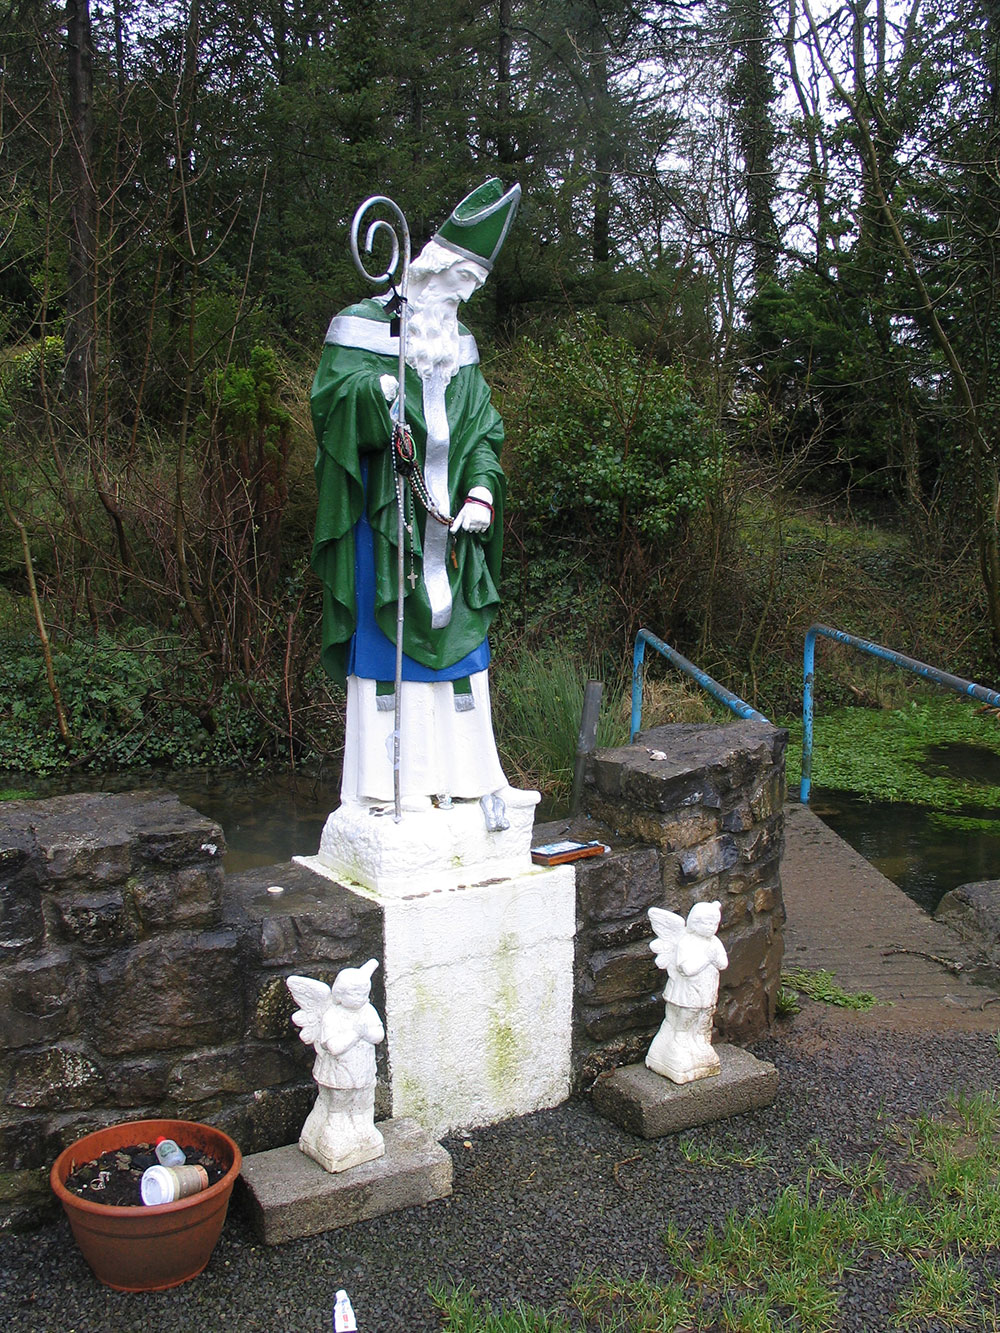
(442, 751)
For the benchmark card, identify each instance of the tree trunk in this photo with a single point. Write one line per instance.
(505, 136)
(81, 296)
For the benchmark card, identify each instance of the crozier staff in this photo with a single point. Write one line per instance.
(453, 517)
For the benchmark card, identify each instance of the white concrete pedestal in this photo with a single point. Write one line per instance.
(479, 999)
(427, 849)
(478, 960)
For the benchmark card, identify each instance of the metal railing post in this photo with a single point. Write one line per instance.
(638, 657)
(957, 685)
(732, 701)
(808, 677)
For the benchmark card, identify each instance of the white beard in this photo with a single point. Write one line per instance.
(432, 340)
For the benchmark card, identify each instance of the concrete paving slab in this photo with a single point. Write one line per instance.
(846, 917)
(287, 1195)
(649, 1105)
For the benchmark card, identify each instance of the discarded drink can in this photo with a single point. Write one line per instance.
(343, 1314)
(167, 1184)
(168, 1153)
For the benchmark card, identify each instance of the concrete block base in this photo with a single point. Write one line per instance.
(650, 1106)
(289, 1196)
(427, 850)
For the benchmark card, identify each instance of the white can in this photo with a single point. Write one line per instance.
(166, 1184)
(168, 1153)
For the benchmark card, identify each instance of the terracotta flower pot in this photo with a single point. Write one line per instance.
(148, 1248)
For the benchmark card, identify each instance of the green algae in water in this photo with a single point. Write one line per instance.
(937, 751)
(949, 822)
(915, 790)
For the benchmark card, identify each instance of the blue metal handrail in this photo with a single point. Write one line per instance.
(955, 683)
(732, 701)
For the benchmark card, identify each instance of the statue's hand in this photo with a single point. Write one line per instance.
(390, 387)
(476, 514)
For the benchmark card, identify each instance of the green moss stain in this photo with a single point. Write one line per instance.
(273, 1009)
(504, 1054)
(410, 1096)
(23, 1186)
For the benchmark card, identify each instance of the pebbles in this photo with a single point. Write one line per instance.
(539, 1201)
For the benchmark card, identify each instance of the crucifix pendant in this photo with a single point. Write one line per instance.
(411, 579)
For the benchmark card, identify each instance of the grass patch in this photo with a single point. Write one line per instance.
(715, 1158)
(462, 1312)
(538, 703)
(820, 985)
(786, 1002)
(784, 1265)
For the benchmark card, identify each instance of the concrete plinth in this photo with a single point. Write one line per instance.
(288, 1195)
(649, 1105)
(427, 849)
(479, 999)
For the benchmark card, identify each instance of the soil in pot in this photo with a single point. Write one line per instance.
(114, 1178)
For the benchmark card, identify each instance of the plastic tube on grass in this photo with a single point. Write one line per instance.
(167, 1184)
(343, 1314)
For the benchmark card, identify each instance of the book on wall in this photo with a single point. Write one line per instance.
(556, 853)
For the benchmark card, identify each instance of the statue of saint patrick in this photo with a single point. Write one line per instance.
(453, 517)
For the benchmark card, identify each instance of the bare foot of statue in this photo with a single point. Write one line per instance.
(495, 813)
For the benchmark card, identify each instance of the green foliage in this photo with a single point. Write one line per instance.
(610, 455)
(125, 708)
(538, 703)
(246, 400)
(831, 397)
(607, 441)
(820, 985)
(786, 1002)
(27, 375)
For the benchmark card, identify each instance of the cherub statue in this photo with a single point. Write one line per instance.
(344, 1027)
(693, 957)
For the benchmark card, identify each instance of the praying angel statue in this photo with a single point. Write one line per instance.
(344, 1028)
(693, 957)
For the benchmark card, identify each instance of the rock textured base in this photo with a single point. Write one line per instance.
(289, 1196)
(427, 849)
(646, 1104)
(973, 913)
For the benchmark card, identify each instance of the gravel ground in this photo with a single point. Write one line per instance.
(538, 1201)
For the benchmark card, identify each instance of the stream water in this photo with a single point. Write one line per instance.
(270, 817)
(909, 847)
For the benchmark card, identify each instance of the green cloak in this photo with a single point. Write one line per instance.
(351, 419)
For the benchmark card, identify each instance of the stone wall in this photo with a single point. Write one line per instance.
(706, 821)
(136, 979)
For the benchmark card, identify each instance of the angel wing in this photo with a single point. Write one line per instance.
(314, 999)
(668, 928)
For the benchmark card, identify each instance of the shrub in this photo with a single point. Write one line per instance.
(609, 455)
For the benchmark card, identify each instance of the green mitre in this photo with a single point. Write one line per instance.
(478, 226)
